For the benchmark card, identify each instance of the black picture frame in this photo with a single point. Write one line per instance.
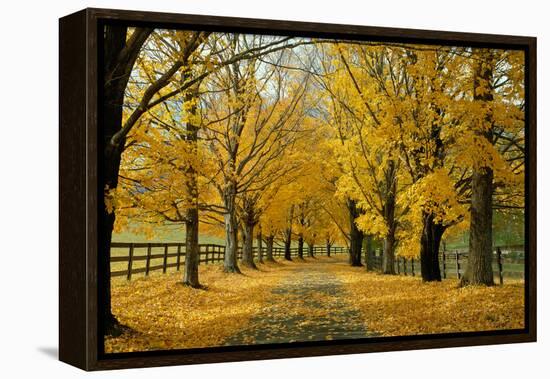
(80, 132)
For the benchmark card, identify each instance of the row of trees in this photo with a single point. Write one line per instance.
(284, 139)
(430, 139)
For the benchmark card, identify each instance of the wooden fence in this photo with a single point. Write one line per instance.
(129, 258)
(508, 261)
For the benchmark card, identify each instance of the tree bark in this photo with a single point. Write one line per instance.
(269, 248)
(288, 241)
(191, 271)
(192, 253)
(429, 248)
(248, 252)
(356, 235)
(119, 57)
(388, 255)
(310, 250)
(259, 243)
(480, 257)
(288, 233)
(300, 246)
(231, 226)
(369, 253)
(479, 270)
(329, 245)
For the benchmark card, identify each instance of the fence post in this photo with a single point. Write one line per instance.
(499, 261)
(206, 257)
(404, 266)
(457, 264)
(412, 266)
(178, 258)
(148, 261)
(130, 259)
(165, 260)
(444, 265)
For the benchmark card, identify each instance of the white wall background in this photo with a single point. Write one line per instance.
(28, 186)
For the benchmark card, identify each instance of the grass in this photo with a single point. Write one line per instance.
(166, 233)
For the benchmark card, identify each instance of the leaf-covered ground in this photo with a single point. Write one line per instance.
(166, 315)
(404, 305)
(309, 305)
(322, 298)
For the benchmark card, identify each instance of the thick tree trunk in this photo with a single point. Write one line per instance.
(117, 69)
(191, 271)
(356, 235)
(310, 250)
(429, 248)
(269, 248)
(231, 227)
(300, 246)
(480, 255)
(288, 233)
(192, 253)
(329, 245)
(287, 242)
(259, 243)
(110, 324)
(369, 253)
(388, 255)
(248, 252)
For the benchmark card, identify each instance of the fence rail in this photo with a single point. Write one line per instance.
(128, 259)
(145, 257)
(508, 261)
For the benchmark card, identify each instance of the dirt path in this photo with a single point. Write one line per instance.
(309, 305)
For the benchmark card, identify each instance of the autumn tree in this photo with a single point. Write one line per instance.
(168, 54)
(252, 113)
(497, 132)
(366, 156)
(120, 54)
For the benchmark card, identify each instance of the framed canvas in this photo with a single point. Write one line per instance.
(241, 189)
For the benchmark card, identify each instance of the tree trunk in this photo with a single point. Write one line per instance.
(329, 245)
(191, 273)
(287, 241)
(480, 255)
(369, 260)
(300, 246)
(117, 69)
(388, 255)
(231, 227)
(259, 243)
(192, 253)
(310, 250)
(269, 248)
(248, 252)
(356, 235)
(429, 248)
